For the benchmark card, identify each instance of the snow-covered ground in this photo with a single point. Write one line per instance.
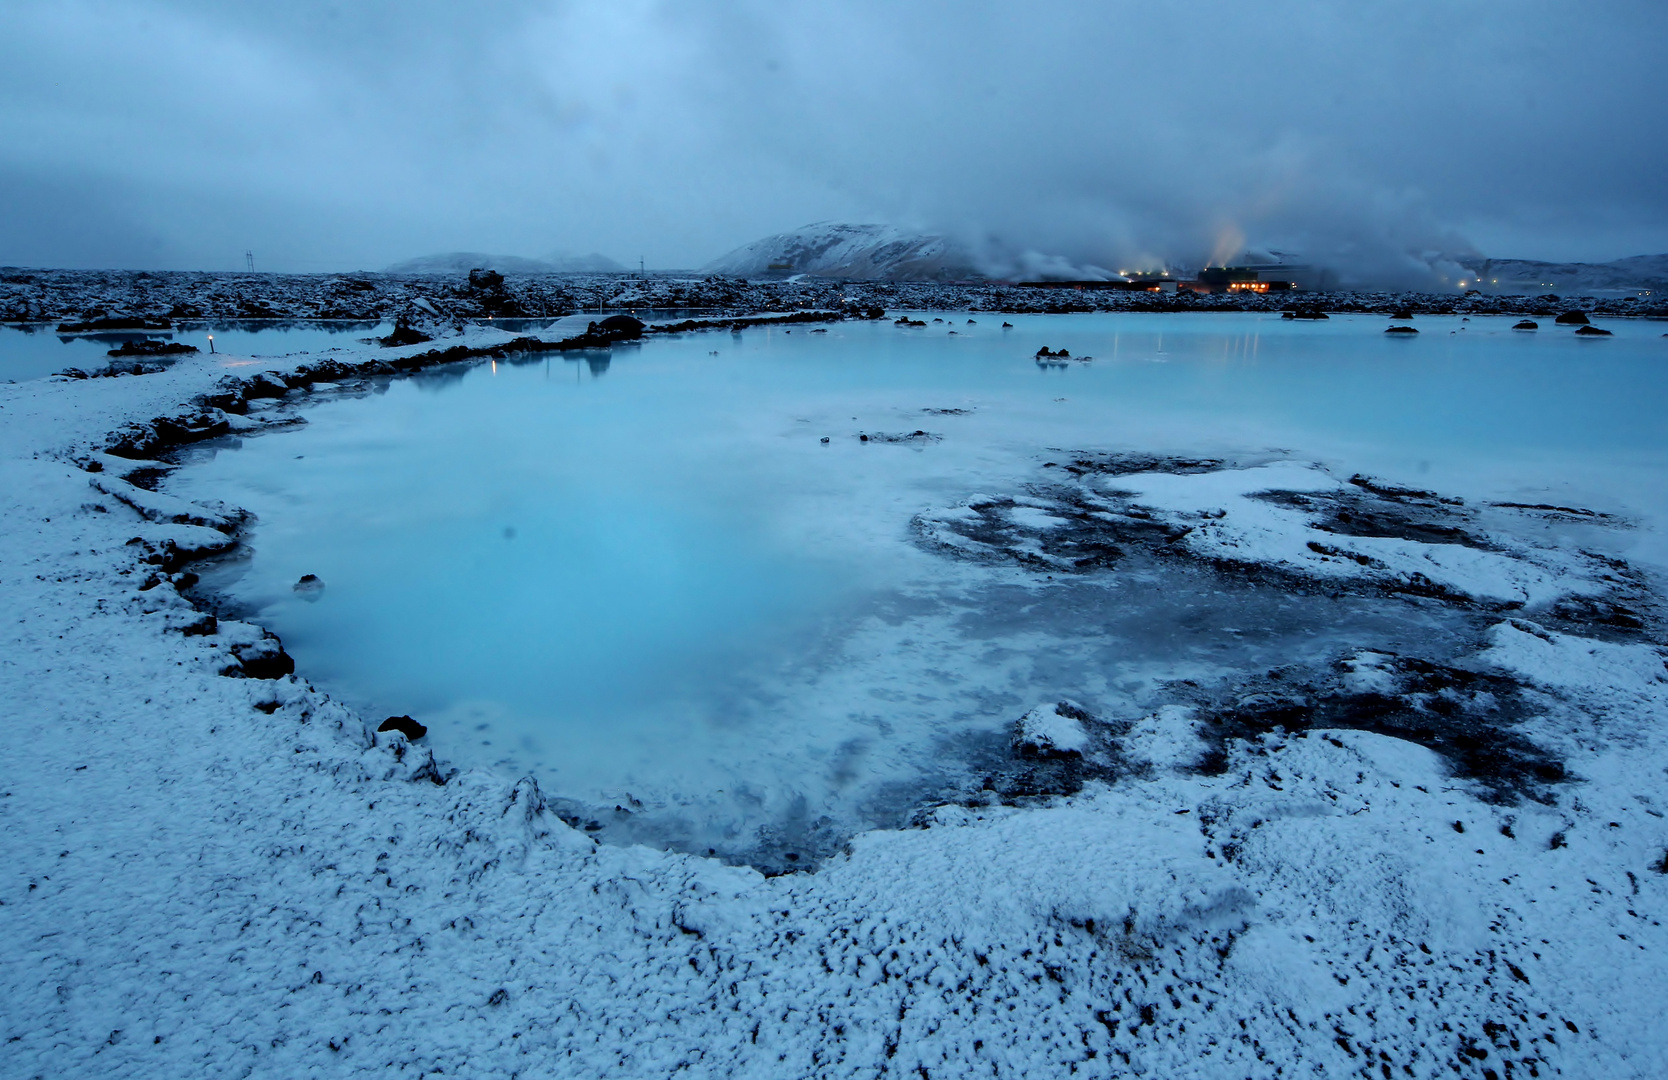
(215, 875)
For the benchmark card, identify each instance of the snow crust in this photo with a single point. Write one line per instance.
(212, 876)
(1053, 729)
(1226, 522)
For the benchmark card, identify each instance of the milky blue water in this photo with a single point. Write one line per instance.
(643, 577)
(36, 350)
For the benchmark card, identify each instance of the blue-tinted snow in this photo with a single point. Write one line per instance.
(204, 876)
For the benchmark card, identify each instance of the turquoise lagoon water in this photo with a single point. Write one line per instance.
(644, 577)
(34, 351)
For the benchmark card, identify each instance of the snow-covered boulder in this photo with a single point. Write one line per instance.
(1055, 730)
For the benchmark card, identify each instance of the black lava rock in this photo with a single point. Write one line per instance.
(404, 335)
(1401, 330)
(485, 279)
(147, 347)
(405, 725)
(265, 659)
(1527, 324)
(622, 327)
(1572, 318)
(1592, 331)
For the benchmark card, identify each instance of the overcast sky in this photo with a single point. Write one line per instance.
(351, 135)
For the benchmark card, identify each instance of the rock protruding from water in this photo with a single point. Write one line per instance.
(310, 587)
(405, 725)
(619, 327)
(1592, 331)
(1052, 731)
(149, 347)
(1401, 330)
(1526, 324)
(1572, 318)
(404, 334)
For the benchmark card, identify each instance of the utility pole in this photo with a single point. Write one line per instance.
(249, 259)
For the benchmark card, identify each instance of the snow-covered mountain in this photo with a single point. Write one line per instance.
(461, 262)
(858, 252)
(1641, 273)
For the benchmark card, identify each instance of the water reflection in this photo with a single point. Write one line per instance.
(595, 359)
(36, 350)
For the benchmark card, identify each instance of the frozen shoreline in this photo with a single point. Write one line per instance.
(209, 874)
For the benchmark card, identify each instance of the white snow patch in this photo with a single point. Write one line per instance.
(1030, 517)
(1367, 673)
(1046, 730)
(1227, 523)
(1167, 740)
(1575, 663)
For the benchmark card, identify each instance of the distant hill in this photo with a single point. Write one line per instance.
(461, 262)
(856, 252)
(1641, 273)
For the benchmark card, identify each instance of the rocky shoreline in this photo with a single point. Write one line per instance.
(86, 296)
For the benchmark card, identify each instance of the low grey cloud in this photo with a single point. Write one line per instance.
(1373, 137)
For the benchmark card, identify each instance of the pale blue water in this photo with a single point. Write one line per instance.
(37, 350)
(642, 576)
